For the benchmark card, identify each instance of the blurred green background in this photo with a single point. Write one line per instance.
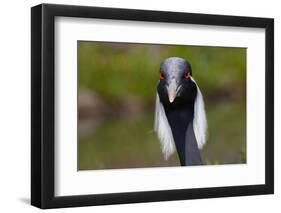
(117, 87)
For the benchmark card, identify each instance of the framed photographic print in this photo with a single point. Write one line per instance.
(140, 106)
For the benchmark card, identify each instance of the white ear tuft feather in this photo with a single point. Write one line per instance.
(200, 121)
(163, 130)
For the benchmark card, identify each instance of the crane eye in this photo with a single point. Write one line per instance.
(186, 75)
(162, 76)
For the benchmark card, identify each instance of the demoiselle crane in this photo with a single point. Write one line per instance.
(180, 118)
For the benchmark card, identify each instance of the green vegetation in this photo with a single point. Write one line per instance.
(132, 143)
(114, 70)
(124, 137)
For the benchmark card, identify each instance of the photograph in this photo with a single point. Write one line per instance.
(160, 105)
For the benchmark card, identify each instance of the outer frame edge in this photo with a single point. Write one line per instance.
(42, 187)
(36, 155)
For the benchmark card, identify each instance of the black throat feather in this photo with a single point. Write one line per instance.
(180, 114)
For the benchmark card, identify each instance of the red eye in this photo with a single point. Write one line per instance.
(186, 75)
(161, 76)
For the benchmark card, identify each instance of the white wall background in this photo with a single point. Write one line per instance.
(15, 106)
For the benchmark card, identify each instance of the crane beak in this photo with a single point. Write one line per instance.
(172, 89)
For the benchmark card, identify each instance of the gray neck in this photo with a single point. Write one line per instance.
(192, 154)
(181, 122)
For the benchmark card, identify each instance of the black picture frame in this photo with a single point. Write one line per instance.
(43, 102)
